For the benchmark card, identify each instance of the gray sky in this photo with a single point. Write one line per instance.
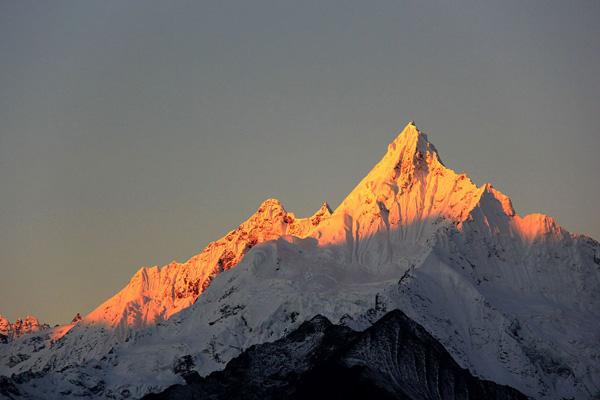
(134, 132)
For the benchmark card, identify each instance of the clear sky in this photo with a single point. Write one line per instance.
(133, 133)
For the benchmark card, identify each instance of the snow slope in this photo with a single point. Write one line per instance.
(514, 299)
(395, 358)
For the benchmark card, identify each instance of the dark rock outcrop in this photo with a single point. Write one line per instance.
(393, 359)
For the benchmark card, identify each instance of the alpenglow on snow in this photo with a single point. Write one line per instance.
(513, 299)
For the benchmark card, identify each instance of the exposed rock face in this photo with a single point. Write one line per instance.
(76, 318)
(22, 326)
(393, 359)
(5, 329)
(8, 389)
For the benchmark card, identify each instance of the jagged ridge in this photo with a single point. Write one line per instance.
(22, 326)
(154, 294)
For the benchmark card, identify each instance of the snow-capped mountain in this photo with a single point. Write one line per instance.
(514, 299)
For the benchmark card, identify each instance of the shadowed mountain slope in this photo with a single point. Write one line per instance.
(393, 359)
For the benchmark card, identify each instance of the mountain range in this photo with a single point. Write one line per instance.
(511, 300)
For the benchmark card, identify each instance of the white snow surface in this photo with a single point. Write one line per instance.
(516, 300)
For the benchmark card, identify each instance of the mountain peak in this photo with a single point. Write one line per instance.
(270, 203)
(325, 209)
(409, 157)
(322, 213)
(76, 318)
(411, 129)
(410, 145)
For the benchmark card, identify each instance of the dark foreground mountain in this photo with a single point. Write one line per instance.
(395, 358)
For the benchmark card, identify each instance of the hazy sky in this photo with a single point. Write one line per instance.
(133, 133)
